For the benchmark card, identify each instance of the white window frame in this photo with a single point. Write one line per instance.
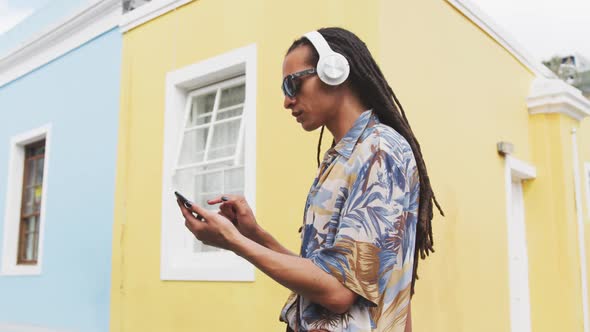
(517, 170)
(14, 199)
(178, 261)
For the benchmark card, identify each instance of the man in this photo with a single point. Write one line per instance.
(369, 209)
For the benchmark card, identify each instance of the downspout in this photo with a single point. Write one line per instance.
(581, 242)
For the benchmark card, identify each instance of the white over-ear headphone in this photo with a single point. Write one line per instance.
(332, 68)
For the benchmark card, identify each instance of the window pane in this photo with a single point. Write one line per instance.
(37, 193)
(225, 138)
(28, 198)
(193, 146)
(31, 169)
(203, 119)
(234, 179)
(232, 96)
(198, 246)
(206, 248)
(29, 238)
(230, 113)
(237, 192)
(36, 241)
(39, 172)
(200, 183)
(207, 186)
(201, 109)
(35, 149)
(31, 225)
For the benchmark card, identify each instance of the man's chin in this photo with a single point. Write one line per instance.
(309, 126)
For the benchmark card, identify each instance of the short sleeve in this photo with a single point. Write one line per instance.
(370, 233)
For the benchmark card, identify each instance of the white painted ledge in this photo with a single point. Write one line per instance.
(556, 96)
(519, 169)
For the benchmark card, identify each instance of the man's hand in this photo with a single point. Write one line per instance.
(214, 230)
(236, 209)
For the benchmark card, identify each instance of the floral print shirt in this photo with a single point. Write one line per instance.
(360, 227)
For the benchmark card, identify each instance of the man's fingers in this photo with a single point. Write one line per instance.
(227, 198)
(187, 214)
(221, 199)
(215, 200)
(227, 209)
(200, 211)
(229, 205)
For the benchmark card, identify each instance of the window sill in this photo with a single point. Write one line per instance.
(20, 270)
(219, 266)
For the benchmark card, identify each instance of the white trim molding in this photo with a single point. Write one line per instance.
(483, 21)
(80, 27)
(581, 231)
(178, 261)
(519, 169)
(515, 172)
(556, 96)
(148, 12)
(13, 201)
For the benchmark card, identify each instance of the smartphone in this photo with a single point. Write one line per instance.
(187, 204)
(183, 200)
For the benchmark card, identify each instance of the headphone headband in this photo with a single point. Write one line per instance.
(318, 41)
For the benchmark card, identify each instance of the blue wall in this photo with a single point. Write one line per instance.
(79, 95)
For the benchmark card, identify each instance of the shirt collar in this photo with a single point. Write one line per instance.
(347, 143)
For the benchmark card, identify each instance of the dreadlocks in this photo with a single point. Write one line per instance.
(368, 81)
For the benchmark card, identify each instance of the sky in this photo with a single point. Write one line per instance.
(14, 11)
(543, 27)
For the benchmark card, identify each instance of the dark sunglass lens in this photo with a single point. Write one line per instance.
(285, 87)
(289, 87)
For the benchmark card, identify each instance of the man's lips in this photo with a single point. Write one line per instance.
(297, 114)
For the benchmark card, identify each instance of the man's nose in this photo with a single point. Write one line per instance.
(288, 102)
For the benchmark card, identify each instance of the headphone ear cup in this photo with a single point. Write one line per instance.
(333, 68)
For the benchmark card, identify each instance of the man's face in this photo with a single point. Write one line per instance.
(314, 104)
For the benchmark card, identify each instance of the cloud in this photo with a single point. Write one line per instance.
(11, 16)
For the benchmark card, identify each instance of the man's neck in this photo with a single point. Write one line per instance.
(348, 112)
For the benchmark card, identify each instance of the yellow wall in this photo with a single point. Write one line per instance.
(462, 93)
(552, 227)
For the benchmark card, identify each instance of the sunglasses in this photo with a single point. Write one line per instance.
(292, 83)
